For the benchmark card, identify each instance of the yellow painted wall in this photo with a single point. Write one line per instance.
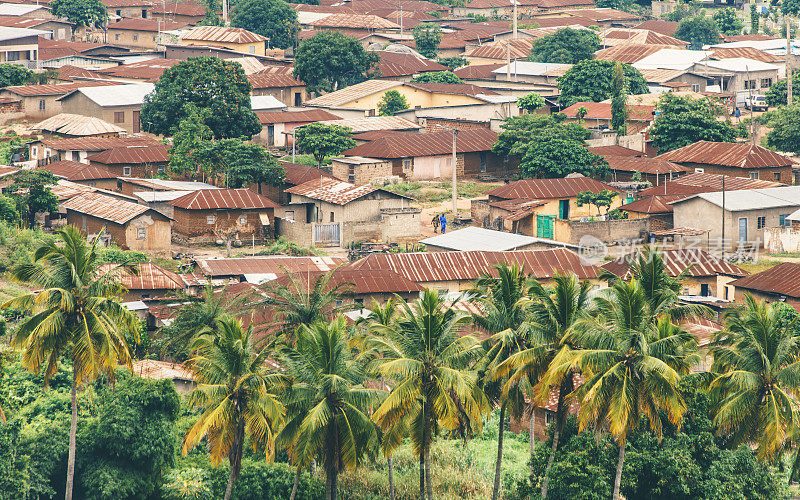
(415, 98)
(257, 48)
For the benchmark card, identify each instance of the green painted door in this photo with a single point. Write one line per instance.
(563, 209)
(544, 226)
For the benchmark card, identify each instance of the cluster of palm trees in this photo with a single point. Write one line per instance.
(335, 394)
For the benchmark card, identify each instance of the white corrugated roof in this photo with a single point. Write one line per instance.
(752, 199)
(159, 196)
(739, 64)
(116, 95)
(18, 9)
(530, 68)
(78, 125)
(671, 59)
(173, 185)
(265, 103)
(7, 33)
(478, 238)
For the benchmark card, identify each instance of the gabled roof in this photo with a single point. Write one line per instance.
(694, 261)
(56, 89)
(299, 174)
(152, 25)
(70, 72)
(659, 26)
(77, 125)
(602, 111)
(149, 70)
(702, 183)
(216, 199)
(604, 14)
(629, 53)
(411, 144)
(75, 171)
(299, 116)
(747, 53)
(276, 264)
(470, 265)
(549, 188)
(335, 191)
(269, 79)
(119, 95)
(520, 48)
(643, 165)
(452, 88)
(478, 71)
(222, 34)
(148, 277)
(368, 123)
(132, 154)
(97, 143)
(358, 21)
(614, 37)
(105, 207)
(783, 279)
(478, 238)
(650, 205)
(359, 281)
(752, 199)
(352, 93)
(163, 185)
(729, 154)
(394, 64)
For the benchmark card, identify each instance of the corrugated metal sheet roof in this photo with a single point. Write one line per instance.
(628, 53)
(452, 88)
(783, 279)
(78, 125)
(369, 123)
(167, 184)
(412, 144)
(604, 14)
(299, 116)
(730, 154)
(75, 171)
(105, 207)
(659, 26)
(159, 370)
(352, 93)
(614, 37)
(360, 21)
(702, 183)
(520, 48)
(549, 188)
(150, 70)
(478, 71)
(360, 281)
(57, 88)
(151, 25)
(269, 79)
(279, 265)
(614, 150)
(97, 143)
(117, 95)
(222, 34)
(661, 76)
(745, 52)
(132, 154)
(753, 199)
(394, 64)
(478, 238)
(333, 190)
(460, 266)
(215, 199)
(299, 174)
(649, 205)
(694, 261)
(602, 111)
(148, 277)
(643, 165)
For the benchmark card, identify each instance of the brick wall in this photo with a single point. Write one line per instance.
(195, 223)
(400, 224)
(605, 231)
(435, 125)
(479, 211)
(363, 173)
(774, 174)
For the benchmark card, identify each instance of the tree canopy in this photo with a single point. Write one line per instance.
(601, 199)
(427, 37)
(392, 102)
(785, 128)
(684, 120)
(558, 158)
(323, 140)
(565, 46)
(698, 30)
(437, 77)
(274, 19)
(728, 21)
(520, 131)
(32, 193)
(81, 12)
(209, 83)
(530, 102)
(13, 74)
(591, 80)
(330, 61)
(776, 95)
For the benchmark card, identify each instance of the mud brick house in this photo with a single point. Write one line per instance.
(119, 104)
(776, 284)
(130, 225)
(282, 86)
(148, 282)
(261, 269)
(81, 173)
(598, 116)
(51, 149)
(330, 212)
(734, 159)
(295, 174)
(133, 161)
(140, 33)
(704, 274)
(42, 101)
(277, 127)
(189, 13)
(653, 170)
(211, 214)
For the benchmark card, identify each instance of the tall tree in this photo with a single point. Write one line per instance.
(728, 21)
(784, 123)
(187, 142)
(32, 192)
(698, 31)
(330, 61)
(558, 158)
(530, 102)
(425, 355)
(684, 120)
(619, 101)
(565, 46)
(392, 102)
(14, 74)
(591, 80)
(234, 395)
(327, 402)
(437, 77)
(519, 132)
(89, 13)
(427, 37)
(274, 19)
(74, 314)
(208, 83)
(323, 141)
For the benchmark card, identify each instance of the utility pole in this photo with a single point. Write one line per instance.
(401, 19)
(752, 121)
(225, 20)
(515, 3)
(788, 61)
(722, 241)
(455, 184)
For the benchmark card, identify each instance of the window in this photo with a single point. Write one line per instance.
(726, 293)
(749, 84)
(776, 176)
(754, 175)
(289, 215)
(331, 216)
(126, 171)
(34, 151)
(210, 219)
(42, 104)
(76, 156)
(252, 49)
(144, 14)
(783, 220)
(407, 163)
(359, 301)
(154, 39)
(695, 87)
(135, 37)
(705, 291)
(119, 117)
(766, 83)
(162, 169)
(141, 233)
(761, 222)
(549, 417)
(699, 170)
(119, 13)
(116, 37)
(243, 220)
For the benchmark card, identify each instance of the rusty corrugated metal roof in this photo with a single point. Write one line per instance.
(745, 52)
(452, 88)
(132, 154)
(299, 116)
(394, 64)
(148, 277)
(696, 183)
(352, 93)
(643, 165)
(77, 125)
(412, 144)
(698, 262)
(97, 143)
(615, 150)
(730, 154)
(216, 199)
(650, 205)
(57, 88)
(271, 79)
(602, 111)
(333, 190)
(615, 37)
(361, 281)
(359, 21)
(222, 34)
(149, 70)
(278, 265)
(75, 171)
(629, 53)
(105, 207)
(520, 48)
(298, 174)
(549, 188)
(158, 370)
(783, 279)
(659, 26)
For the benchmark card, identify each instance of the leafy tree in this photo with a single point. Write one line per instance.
(74, 314)
(698, 30)
(776, 95)
(558, 158)
(130, 444)
(327, 402)
(427, 37)
(790, 7)
(604, 198)
(755, 19)
(425, 355)
(437, 77)
(392, 102)
(591, 80)
(785, 124)
(684, 120)
(323, 140)
(274, 19)
(32, 193)
(210, 83)
(681, 12)
(191, 136)
(453, 62)
(13, 74)
(520, 131)
(728, 21)
(8, 210)
(580, 113)
(530, 102)
(233, 395)
(330, 61)
(619, 101)
(81, 12)
(249, 163)
(565, 46)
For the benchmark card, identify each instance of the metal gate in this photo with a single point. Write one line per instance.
(544, 226)
(327, 235)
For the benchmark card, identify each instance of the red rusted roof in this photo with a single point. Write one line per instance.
(615, 151)
(105, 207)
(549, 188)
(602, 111)
(650, 205)
(361, 281)
(783, 279)
(97, 143)
(149, 70)
(730, 154)
(705, 183)
(354, 21)
(300, 116)
(643, 165)
(70, 72)
(159, 370)
(148, 277)
(298, 174)
(215, 199)
(411, 144)
(659, 26)
(753, 37)
(152, 25)
(745, 52)
(452, 88)
(698, 262)
(641, 36)
(58, 88)
(221, 34)
(520, 48)
(75, 171)
(629, 53)
(394, 64)
(271, 79)
(277, 264)
(132, 154)
(460, 266)
(478, 71)
(333, 190)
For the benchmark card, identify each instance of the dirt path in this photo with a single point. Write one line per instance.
(445, 206)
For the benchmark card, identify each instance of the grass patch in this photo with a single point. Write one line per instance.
(284, 247)
(435, 192)
(305, 160)
(760, 265)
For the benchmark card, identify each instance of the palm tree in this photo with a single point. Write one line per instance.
(425, 356)
(504, 316)
(233, 394)
(758, 375)
(630, 369)
(75, 314)
(554, 313)
(326, 401)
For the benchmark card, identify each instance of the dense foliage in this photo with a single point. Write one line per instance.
(591, 80)
(784, 123)
(14, 74)
(392, 102)
(728, 21)
(331, 61)
(273, 19)
(437, 77)
(683, 120)
(81, 12)
(565, 46)
(776, 95)
(324, 141)
(698, 30)
(427, 37)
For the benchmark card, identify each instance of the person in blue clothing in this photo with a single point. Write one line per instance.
(443, 222)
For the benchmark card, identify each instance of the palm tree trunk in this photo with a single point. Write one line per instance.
(422, 475)
(428, 484)
(498, 466)
(618, 478)
(296, 484)
(229, 487)
(235, 457)
(73, 431)
(391, 478)
(561, 415)
(531, 431)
